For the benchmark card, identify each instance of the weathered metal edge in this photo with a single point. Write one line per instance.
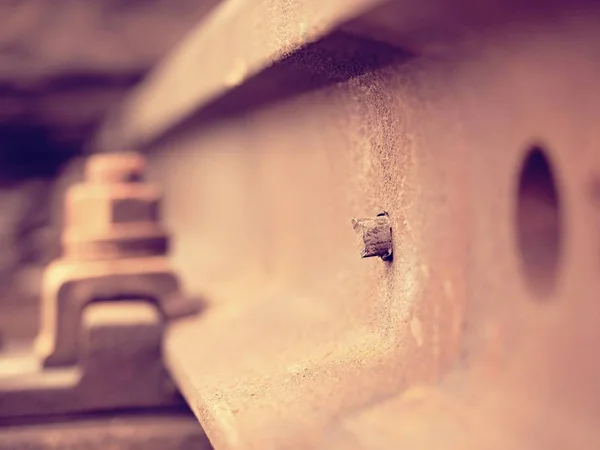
(235, 42)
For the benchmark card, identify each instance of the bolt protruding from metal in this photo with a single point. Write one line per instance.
(375, 236)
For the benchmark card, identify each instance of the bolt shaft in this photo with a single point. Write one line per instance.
(375, 236)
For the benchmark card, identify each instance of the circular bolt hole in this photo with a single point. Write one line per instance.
(539, 228)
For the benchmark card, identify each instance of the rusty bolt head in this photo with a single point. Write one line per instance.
(94, 207)
(113, 193)
(113, 212)
(375, 236)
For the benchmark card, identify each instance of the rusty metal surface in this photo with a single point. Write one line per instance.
(482, 415)
(114, 248)
(305, 330)
(158, 431)
(258, 33)
(105, 304)
(308, 346)
(120, 367)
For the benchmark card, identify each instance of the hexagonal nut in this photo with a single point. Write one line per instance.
(96, 209)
